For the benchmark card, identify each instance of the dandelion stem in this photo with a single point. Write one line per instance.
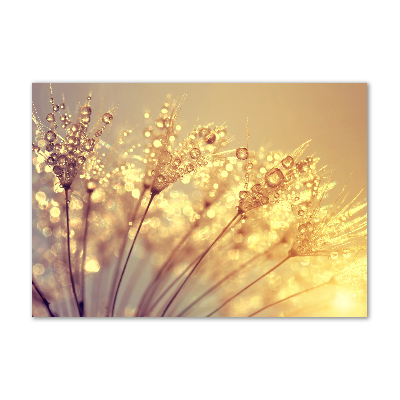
(149, 309)
(84, 251)
(130, 251)
(220, 282)
(132, 220)
(148, 294)
(69, 253)
(201, 258)
(287, 298)
(46, 303)
(251, 284)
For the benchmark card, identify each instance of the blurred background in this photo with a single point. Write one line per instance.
(281, 115)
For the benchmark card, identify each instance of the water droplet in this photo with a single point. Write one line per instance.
(86, 110)
(58, 148)
(107, 118)
(190, 168)
(210, 138)
(161, 180)
(56, 108)
(288, 162)
(50, 136)
(195, 153)
(302, 228)
(204, 132)
(81, 160)
(49, 147)
(52, 160)
(74, 128)
(334, 255)
(242, 153)
(62, 106)
(243, 194)
(85, 119)
(274, 177)
(256, 188)
(62, 160)
(34, 147)
(300, 213)
(58, 170)
(50, 117)
(87, 145)
(309, 160)
(249, 166)
(176, 163)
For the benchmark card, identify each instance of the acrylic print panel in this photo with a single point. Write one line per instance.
(199, 200)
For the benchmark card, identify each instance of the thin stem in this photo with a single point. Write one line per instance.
(84, 251)
(132, 220)
(201, 258)
(46, 303)
(251, 284)
(287, 298)
(153, 286)
(220, 282)
(69, 253)
(149, 309)
(128, 296)
(130, 251)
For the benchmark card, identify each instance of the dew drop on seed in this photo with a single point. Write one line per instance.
(50, 136)
(107, 118)
(57, 170)
(176, 163)
(50, 117)
(195, 153)
(210, 138)
(62, 160)
(288, 162)
(52, 160)
(334, 255)
(302, 228)
(256, 188)
(190, 168)
(243, 194)
(86, 110)
(62, 106)
(274, 177)
(49, 147)
(85, 119)
(56, 108)
(242, 153)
